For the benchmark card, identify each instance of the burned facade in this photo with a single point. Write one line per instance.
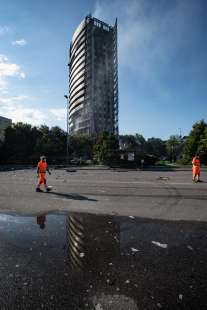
(93, 78)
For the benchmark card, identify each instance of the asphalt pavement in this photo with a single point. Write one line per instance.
(161, 194)
(103, 240)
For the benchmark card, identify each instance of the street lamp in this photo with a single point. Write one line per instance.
(67, 146)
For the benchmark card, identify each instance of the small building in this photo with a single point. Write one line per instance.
(4, 123)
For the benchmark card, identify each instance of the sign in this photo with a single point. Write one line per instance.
(130, 156)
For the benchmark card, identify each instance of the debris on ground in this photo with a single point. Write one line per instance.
(134, 250)
(190, 247)
(98, 307)
(163, 178)
(161, 245)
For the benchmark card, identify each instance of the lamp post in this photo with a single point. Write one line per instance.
(67, 145)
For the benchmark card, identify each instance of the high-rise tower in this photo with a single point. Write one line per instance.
(93, 78)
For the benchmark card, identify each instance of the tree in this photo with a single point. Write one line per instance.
(173, 147)
(140, 143)
(203, 142)
(132, 143)
(127, 142)
(19, 142)
(24, 143)
(195, 142)
(81, 146)
(51, 142)
(105, 148)
(156, 147)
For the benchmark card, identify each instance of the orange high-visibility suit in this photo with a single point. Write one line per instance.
(196, 167)
(42, 167)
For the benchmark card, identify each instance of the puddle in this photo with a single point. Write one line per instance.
(80, 261)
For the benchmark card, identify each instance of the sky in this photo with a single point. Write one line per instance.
(162, 48)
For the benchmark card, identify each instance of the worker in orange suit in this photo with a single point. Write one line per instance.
(196, 168)
(42, 168)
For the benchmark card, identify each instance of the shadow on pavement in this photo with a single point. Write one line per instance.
(5, 168)
(159, 168)
(72, 196)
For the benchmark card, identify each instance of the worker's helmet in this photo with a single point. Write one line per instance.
(42, 157)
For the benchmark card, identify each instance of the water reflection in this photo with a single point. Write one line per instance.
(94, 253)
(92, 238)
(101, 262)
(41, 219)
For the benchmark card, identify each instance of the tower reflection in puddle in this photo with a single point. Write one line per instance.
(93, 247)
(92, 242)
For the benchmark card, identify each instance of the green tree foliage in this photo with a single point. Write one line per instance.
(81, 146)
(24, 143)
(203, 142)
(195, 142)
(174, 147)
(19, 142)
(105, 148)
(140, 143)
(135, 143)
(156, 147)
(51, 142)
(127, 142)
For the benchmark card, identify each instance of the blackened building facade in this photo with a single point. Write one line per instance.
(93, 78)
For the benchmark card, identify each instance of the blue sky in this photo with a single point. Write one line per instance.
(162, 61)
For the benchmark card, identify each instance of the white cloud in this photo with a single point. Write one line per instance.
(59, 114)
(22, 75)
(8, 69)
(3, 58)
(21, 109)
(21, 42)
(27, 115)
(4, 30)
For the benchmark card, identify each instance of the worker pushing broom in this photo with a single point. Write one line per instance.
(42, 168)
